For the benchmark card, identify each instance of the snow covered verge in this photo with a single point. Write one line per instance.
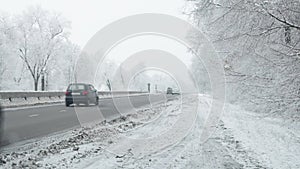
(241, 140)
(274, 140)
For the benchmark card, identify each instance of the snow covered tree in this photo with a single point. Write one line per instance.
(259, 42)
(40, 35)
(6, 38)
(35, 45)
(105, 74)
(62, 66)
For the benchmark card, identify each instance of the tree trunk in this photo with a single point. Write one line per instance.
(43, 83)
(108, 84)
(36, 82)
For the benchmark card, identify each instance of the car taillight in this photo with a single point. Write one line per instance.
(85, 92)
(67, 92)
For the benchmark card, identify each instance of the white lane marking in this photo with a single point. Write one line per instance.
(62, 110)
(31, 107)
(33, 115)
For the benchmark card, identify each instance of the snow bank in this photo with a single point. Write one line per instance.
(275, 141)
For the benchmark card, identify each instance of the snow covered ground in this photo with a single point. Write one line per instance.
(241, 140)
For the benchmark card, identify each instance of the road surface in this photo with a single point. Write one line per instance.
(31, 122)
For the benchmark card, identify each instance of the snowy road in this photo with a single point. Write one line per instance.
(31, 122)
(241, 140)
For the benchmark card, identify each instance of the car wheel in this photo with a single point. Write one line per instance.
(67, 104)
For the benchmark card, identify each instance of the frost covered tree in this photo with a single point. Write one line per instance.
(62, 66)
(40, 35)
(2, 50)
(259, 44)
(105, 74)
(6, 38)
(108, 69)
(35, 45)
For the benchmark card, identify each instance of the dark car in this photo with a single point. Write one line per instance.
(81, 93)
(169, 90)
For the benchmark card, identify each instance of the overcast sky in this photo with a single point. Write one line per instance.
(89, 16)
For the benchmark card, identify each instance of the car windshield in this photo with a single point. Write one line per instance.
(76, 87)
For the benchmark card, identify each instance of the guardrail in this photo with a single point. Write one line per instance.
(116, 93)
(14, 99)
(25, 95)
